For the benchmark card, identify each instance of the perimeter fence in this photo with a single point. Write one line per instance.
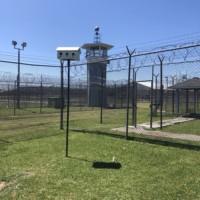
(146, 88)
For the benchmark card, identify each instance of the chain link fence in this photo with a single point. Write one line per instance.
(152, 93)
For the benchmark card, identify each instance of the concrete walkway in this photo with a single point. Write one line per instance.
(144, 129)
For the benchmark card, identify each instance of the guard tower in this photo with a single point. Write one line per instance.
(96, 55)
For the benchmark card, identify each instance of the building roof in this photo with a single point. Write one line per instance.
(139, 86)
(142, 87)
(189, 84)
(68, 49)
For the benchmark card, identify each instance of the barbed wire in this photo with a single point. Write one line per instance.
(172, 54)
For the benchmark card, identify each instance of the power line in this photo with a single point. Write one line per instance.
(154, 42)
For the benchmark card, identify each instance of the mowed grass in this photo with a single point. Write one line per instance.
(191, 127)
(34, 166)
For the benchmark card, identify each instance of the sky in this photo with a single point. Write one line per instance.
(48, 24)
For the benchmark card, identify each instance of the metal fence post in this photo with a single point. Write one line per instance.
(101, 110)
(134, 99)
(151, 112)
(14, 99)
(161, 91)
(41, 95)
(128, 90)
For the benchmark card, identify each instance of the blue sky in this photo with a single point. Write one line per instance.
(47, 24)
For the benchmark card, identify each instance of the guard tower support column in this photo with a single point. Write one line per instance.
(96, 55)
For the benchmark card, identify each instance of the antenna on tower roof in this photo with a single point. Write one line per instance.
(97, 35)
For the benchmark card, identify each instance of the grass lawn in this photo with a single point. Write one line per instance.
(34, 166)
(191, 127)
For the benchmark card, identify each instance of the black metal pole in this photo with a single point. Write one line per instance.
(195, 100)
(68, 103)
(121, 95)
(173, 95)
(156, 95)
(187, 101)
(151, 112)
(61, 94)
(161, 92)
(41, 95)
(135, 111)
(8, 95)
(101, 114)
(166, 95)
(18, 81)
(128, 94)
(14, 100)
(133, 99)
(115, 104)
(128, 91)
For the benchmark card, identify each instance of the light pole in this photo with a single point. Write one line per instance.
(156, 95)
(24, 44)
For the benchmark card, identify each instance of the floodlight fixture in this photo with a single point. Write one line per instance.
(14, 43)
(24, 44)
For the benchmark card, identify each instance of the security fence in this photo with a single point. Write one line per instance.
(147, 87)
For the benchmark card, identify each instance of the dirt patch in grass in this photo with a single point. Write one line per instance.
(29, 174)
(2, 185)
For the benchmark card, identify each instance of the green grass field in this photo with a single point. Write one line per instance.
(191, 127)
(34, 166)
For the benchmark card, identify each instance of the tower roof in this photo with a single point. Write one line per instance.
(93, 45)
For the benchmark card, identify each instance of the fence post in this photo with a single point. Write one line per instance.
(156, 94)
(41, 95)
(128, 90)
(8, 95)
(115, 104)
(134, 99)
(14, 99)
(121, 98)
(151, 112)
(102, 97)
(161, 90)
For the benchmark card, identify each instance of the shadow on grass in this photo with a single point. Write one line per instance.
(100, 165)
(145, 140)
(106, 165)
